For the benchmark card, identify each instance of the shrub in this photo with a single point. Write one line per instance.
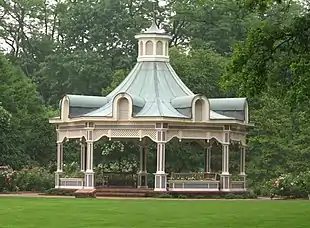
(164, 195)
(34, 179)
(292, 186)
(7, 177)
(60, 192)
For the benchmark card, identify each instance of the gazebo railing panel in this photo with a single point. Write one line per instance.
(71, 183)
(193, 176)
(193, 185)
(193, 182)
(237, 185)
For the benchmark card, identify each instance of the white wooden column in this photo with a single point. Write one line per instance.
(59, 164)
(89, 173)
(242, 166)
(225, 175)
(83, 156)
(242, 160)
(160, 175)
(207, 163)
(142, 175)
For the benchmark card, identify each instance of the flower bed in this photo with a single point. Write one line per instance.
(292, 186)
(34, 179)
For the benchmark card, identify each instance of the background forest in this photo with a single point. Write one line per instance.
(253, 48)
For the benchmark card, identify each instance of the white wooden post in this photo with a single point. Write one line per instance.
(59, 164)
(160, 175)
(83, 155)
(89, 173)
(225, 176)
(208, 153)
(242, 160)
(142, 175)
(242, 166)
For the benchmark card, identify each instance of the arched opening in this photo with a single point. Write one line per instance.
(141, 47)
(198, 110)
(159, 48)
(149, 48)
(123, 109)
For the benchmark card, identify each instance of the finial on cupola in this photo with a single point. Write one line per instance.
(153, 43)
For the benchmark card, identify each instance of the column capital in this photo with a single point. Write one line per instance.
(225, 144)
(225, 174)
(89, 171)
(161, 135)
(142, 172)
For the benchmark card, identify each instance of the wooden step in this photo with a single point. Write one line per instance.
(125, 190)
(85, 193)
(121, 194)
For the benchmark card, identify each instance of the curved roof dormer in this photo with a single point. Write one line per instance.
(78, 105)
(233, 107)
(195, 106)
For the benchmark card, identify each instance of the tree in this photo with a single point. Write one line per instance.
(29, 138)
(199, 69)
(271, 68)
(215, 24)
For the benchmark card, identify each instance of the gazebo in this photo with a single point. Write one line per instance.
(153, 103)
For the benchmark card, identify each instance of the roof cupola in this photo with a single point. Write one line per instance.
(153, 45)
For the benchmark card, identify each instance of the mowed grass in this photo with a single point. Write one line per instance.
(22, 212)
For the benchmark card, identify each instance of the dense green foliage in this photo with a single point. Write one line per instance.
(253, 48)
(47, 213)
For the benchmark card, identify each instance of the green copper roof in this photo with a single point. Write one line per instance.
(156, 91)
(162, 91)
(154, 82)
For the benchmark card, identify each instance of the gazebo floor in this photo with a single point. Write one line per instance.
(149, 192)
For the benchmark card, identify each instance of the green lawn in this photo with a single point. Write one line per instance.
(81, 213)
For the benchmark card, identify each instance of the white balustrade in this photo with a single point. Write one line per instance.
(193, 185)
(237, 185)
(71, 183)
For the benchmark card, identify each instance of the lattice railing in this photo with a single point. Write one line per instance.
(237, 185)
(193, 176)
(71, 183)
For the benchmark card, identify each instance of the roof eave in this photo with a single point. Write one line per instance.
(145, 119)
